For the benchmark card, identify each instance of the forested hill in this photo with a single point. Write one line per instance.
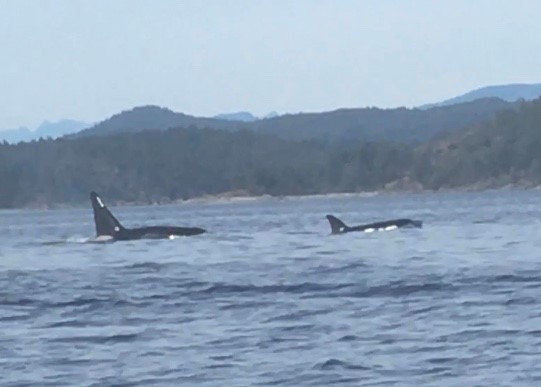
(503, 151)
(160, 166)
(181, 163)
(374, 124)
(344, 125)
(153, 118)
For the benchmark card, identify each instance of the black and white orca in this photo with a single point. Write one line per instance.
(339, 227)
(108, 227)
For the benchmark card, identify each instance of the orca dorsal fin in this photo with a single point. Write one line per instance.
(106, 223)
(337, 226)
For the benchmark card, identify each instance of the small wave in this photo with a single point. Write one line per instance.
(77, 302)
(349, 338)
(146, 266)
(469, 334)
(512, 243)
(515, 278)
(298, 327)
(487, 221)
(51, 243)
(16, 317)
(294, 316)
(69, 324)
(326, 269)
(304, 247)
(423, 310)
(118, 338)
(324, 253)
(271, 341)
(73, 240)
(23, 301)
(437, 370)
(305, 287)
(249, 304)
(74, 303)
(441, 360)
(332, 363)
(302, 233)
(521, 301)
(90, 301)
(399, 289)
(317, 290)
(217, 366)
(221, 357)
(529, 280)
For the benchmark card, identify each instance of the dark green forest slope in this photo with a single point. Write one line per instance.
(184, 163)
(160, 166)
(503, 151)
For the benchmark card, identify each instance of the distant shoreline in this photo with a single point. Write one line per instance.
(219, 199)
(228, 197)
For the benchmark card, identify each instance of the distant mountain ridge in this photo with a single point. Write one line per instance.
(151, 117)
(509, 93)
(238, 116)
(164, 167)
(370, 124)
(343, 125)
(244, 116)
(46, 129)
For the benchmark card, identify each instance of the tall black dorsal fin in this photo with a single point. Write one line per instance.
(337, 226)
(106, 223)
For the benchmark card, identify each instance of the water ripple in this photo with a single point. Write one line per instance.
(269, 298)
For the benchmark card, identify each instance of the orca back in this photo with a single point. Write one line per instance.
(106, 223)
(339, 227)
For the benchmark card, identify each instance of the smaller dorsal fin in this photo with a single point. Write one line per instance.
(337, 226)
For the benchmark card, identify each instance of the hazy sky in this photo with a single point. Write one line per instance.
(87, 60)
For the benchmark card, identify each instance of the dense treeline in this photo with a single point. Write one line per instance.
(503, 151)
(160, 166)
(184, 163)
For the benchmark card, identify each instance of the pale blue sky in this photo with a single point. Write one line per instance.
(87, 60)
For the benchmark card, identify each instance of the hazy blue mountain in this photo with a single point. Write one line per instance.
(46, 129)
(60, 128)
(271, 115)
(509, 93)
(238, 116)
(244, 116)
(16, 135)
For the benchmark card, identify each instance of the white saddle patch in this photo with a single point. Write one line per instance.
(369, 230)
(389, 228)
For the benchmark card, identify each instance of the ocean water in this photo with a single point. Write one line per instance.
(269, 298)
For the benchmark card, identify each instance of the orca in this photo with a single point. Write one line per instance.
(339, 227)
(108, 227)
